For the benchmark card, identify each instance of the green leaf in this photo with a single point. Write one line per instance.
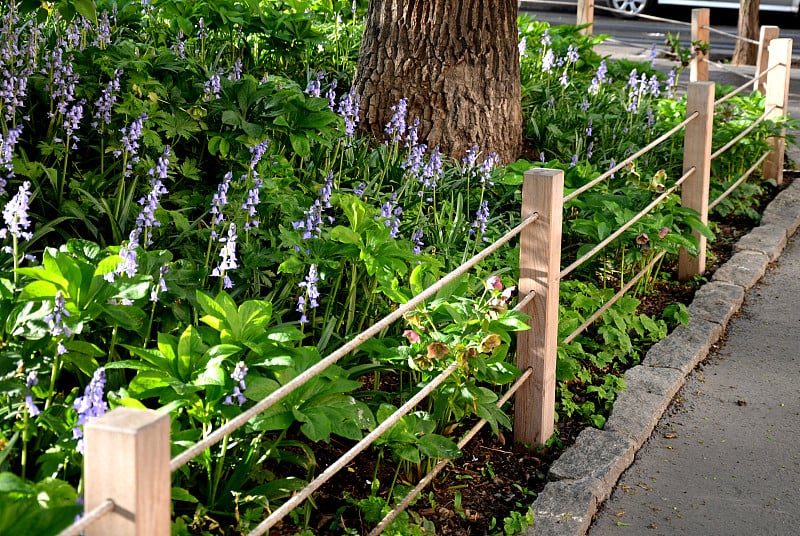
(182, 494)
(87, 9)
(437, 446)
(300, 144)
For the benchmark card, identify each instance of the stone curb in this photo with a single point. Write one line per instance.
(586, 472)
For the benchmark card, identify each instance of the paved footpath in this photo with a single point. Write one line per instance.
(725, 457)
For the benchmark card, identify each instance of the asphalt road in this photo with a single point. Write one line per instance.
(645, 33)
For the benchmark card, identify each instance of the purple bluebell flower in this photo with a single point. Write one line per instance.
(56, 318)
(572, 54)
(219, 201)
(90, 405)
(202, 31)
(574, 161)
(331, 95)
(312, 222)
(349, 106)
(161, 286)
(486, 168)
(31, 380)
(146, 220)
(585, 105)
(130, 143)
(128, 261)
(179, 48)
(548, 61)
(105, 104)
(72, 121)
(314, 89)
(250, 205)
(546, 37)
(103, 33)
(432, 170)
(390, 213)
(589, 128)
(213, 86)
(238, 375)
(590, 150)
(481, 217)
(396, 128)
(359, 190)
(236, 70)
(523, 46)
(15, 214)
(227, 255)
(257, 152)
(309, 299)
(7, 155)
(600, 77)
(416, 239)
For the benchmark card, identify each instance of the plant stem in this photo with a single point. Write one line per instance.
(218, 473)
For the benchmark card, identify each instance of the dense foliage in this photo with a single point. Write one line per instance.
(191, 220)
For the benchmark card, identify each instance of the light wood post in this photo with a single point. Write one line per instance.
(697, 154)
(701, 21)
(540, 265)
(768, 34)
(586, 15)
(127, 460)
(780, 57)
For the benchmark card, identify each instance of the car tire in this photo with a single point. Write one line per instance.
(630, 8)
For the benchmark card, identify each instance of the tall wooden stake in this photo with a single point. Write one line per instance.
(540, 265)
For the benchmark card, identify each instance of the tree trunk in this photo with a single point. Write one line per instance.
(457, 64)
(746, 53)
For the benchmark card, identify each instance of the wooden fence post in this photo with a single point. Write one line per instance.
(540, 266)
(697, 154)
(585, 15)
(127, 460)
(768, 34)
(780, 57)
(701, 21)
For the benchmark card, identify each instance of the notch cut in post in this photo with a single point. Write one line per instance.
(697, 155)
(540, 266)
(127, 461)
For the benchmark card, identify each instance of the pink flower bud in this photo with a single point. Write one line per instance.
(411, 335)
(495, 283)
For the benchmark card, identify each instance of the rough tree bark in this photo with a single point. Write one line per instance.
(457, 64)
(746, 53)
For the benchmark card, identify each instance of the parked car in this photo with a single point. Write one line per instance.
(634, 7)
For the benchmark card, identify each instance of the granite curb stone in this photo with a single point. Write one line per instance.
(716, 302)
(768, 239)
(784, 210)
(585, 473)
(685, 346)
(744, 268)
(637, 409)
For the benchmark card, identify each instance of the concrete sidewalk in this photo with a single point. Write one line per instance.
(723, 459)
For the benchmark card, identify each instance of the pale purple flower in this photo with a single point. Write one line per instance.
(548, 61)
(313, 89)
(589, 128)
(574, 161)
(15, 214)
(146, 220)
(56, 318)
(31, 380)
(130, 143)
(546, 37)
(238, 375)
(257, 152)
(7, 155)
(250, 205)
(236, 70)
(390, 213)
(219, 201)
(523, 46)
(416, 239)
(161, 286)
(179, 48)
(105, 104)
(309, 299)
(481, 217)
(227, 255)
(213, 86)
(396, 128)
(359, 190)
(331, 95)
(348, 108)
(90, 405)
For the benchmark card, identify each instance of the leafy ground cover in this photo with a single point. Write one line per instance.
(192, 219)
